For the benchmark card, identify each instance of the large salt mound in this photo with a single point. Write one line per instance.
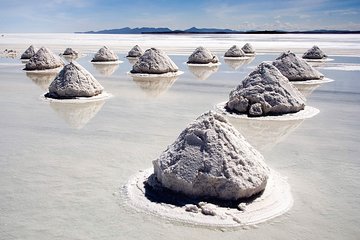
(314, 53)
(105, 55)
(44, 59)
(212, 159)
(234, 51)
(202, 55)
(295, 68)
(154, 61)
(136, 51)
(265, 91)
(247, 48)
(29, 52)
(74, 81)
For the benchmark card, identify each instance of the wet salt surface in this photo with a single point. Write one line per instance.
(59, 177)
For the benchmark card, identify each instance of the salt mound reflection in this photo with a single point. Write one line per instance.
(43, 80)
(106, 69)
(77, 115)
(154, 86)
(264, 135)
(237, 63)
(203, 72)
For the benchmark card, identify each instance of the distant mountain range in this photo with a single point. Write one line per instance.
(194, 30)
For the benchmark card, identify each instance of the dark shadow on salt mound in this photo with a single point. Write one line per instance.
(44, 59)
(43, 80)
(234, 51)
(73, 82)
(105, 55)
(264, 92)
(154, 86)
(202, 55)
(295, 68)
(203, 72)
(77, 115)
(248, 49)
(29, 52)
(314, 53)
(135, 52)
(154, 61)
(106, 69)
(210, 159)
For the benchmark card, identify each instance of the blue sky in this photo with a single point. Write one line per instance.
(83, 15)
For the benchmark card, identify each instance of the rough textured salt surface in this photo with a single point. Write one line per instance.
(211, 158)
(74, 81)
(265, 91)
(202, 55)
(70, 52)
(247, 48)
(234, 51)
(314, 53)
(44, 59)
(295, 68)
(29, 52)
(154, 61)
(105, 55)
(136, 51)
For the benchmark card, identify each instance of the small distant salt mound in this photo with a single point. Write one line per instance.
(154, 61)
(74, 81)
(211, 158)
(70, 52)
(105, 55)
(265, 91)
(44, 59)
(136, 51)
(295, 68)
(314, 53)
(202, 55)
(234, 51)
(248, 49)
(29, 52)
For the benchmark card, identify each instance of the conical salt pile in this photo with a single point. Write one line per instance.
(44, 59)
(105, 55)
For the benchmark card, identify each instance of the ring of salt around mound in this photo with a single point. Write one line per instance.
(107, 62)
(273, 202)
(145, 75)
(319, 60)
(203, 65)
(308, 112)
(313, 81)
(102, 96)
(50, 70)
(237, 58)
(250, 54)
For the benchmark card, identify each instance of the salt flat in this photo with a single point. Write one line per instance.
(60, 178)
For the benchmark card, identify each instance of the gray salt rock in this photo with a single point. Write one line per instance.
(191, 208)
(29, 52)
(74, 81)
(70, 52)
(105, 55)
(136, 51)
(234, 51)
(154, 61)
(295, 68)
(208, 209)
(202, 55)
(314, 53)
(211, 158)
(247, 48)
(265, 91)
(44, 59)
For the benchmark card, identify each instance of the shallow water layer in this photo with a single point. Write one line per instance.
(61, 167)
